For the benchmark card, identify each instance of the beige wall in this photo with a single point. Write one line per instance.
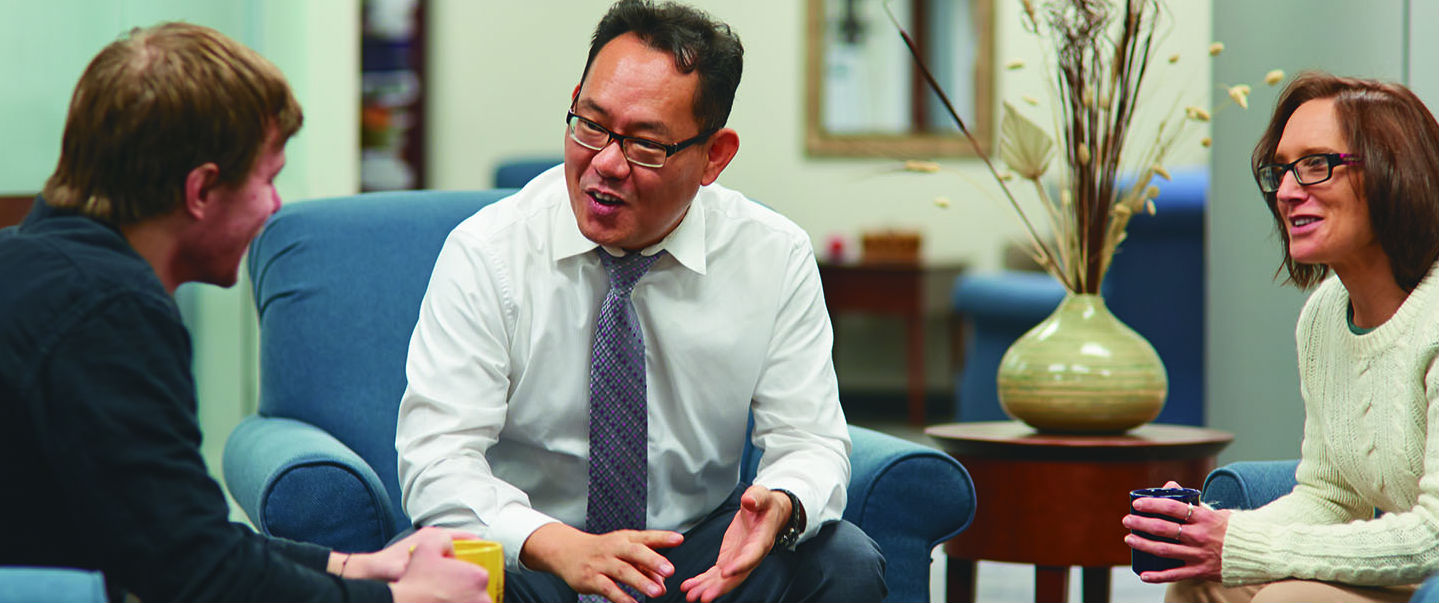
(503, 72)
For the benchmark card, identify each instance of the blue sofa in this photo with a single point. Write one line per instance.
(1155, 285)
(338, 284)
(1253, 484)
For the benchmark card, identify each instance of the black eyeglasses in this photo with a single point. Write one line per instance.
(1309, 169)
(639, 151)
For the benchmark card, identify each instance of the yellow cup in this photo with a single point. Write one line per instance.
(489, 555)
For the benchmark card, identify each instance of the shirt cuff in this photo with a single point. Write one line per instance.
(512, 527)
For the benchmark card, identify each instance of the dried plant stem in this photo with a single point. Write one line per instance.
(1102, 55)
(1045, 256)
(1099, 80)
(1059, 223)
(1132, 204)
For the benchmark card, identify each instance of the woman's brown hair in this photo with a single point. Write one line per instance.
(1397, 140)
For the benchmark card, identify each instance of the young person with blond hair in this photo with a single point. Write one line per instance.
(174, 137)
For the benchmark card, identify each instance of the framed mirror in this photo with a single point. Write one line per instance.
(865, 96)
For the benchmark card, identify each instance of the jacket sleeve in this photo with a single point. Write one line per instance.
(120, 421)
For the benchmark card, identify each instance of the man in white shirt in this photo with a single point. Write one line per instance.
(502, 427)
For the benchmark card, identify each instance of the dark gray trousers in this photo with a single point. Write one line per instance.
(840, 563)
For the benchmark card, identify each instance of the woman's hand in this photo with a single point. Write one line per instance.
(1200, 533)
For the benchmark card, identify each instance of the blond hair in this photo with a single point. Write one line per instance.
(156, 104)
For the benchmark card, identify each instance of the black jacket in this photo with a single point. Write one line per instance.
(99, 441)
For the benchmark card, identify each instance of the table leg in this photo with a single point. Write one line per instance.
(959, 580)
(1051, 584)
(915, 326)
(1096, 584)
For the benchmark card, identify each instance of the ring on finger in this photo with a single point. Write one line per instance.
(1179, 535)
(1190, 513)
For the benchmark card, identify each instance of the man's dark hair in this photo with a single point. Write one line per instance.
(1397, 140)
(697, 42)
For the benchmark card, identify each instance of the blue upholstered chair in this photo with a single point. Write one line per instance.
(1155, 285)
(1249, 484)
(518, 171)
(1253, 484)
(996, 308)
(338, 284)
(40, 584)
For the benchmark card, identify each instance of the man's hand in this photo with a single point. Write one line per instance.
(599, 563)
(762, 514)
(432, 575)
(390, 563)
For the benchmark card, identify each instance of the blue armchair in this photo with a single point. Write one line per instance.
(1253, 484)
(1248, 484)
(33, 584)
(338, 284)
(1155, 285)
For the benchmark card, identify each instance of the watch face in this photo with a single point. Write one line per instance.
(787, 537)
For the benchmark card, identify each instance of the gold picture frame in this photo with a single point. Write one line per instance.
(912, 144)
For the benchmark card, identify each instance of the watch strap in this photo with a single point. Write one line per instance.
(789, 535)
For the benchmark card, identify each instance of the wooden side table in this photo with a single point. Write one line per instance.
(13, 208)
(1055, 501)
(893, 289)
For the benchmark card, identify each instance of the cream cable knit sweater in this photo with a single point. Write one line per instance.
(1368, 400)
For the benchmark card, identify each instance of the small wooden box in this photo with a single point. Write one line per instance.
(890, 247)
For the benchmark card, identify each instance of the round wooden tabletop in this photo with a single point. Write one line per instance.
(1017, 441)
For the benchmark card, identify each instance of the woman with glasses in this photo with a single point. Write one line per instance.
(1350, 170)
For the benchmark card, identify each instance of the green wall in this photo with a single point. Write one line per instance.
(47, 45)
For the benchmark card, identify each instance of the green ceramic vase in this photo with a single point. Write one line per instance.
(1082, 371)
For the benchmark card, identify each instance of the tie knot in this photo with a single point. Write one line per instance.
(626, 271)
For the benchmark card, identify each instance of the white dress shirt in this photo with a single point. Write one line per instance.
(493, 433)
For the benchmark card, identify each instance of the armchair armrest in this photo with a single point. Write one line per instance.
(298, 482)
(51, 584)
(1253, 484)
(1428, 591)
(908, 498)
(1249, 484)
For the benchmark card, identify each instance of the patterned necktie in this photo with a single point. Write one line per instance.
(619, 428)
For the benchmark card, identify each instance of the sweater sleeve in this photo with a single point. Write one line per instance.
(119, 422)
(1324, 529)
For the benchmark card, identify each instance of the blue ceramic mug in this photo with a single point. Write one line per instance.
(1141, 561)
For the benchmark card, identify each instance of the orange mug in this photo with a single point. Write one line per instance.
(489, 555)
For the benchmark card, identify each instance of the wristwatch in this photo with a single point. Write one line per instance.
(789, 535)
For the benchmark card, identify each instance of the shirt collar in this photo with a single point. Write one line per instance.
(686, 242)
